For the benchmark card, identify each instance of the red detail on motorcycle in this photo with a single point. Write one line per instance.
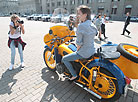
(128, 81)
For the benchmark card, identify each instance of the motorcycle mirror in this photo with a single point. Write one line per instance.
(50, 32)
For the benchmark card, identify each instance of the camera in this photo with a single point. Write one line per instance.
(20, 21)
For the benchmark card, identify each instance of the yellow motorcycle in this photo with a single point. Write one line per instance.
(106, 74)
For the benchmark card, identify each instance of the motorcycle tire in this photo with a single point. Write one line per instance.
(51, 64)
(128, 51)
(106, 87)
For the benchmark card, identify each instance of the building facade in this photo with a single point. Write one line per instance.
(116, 9)
(30, 6)
(8, 7)
(120, 7)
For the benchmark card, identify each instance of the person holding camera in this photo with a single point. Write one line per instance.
(71, 23)
(15, 41)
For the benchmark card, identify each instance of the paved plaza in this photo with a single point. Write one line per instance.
(35, 83)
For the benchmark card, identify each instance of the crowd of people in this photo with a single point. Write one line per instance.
(99, 22)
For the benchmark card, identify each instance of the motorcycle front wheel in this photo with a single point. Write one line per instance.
(49, 59)
(106, 85)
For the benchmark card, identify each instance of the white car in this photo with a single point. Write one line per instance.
(134, 19)
(57, 18)
(31, 17)
(46, 18)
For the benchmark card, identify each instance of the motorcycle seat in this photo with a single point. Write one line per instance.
(109, 52)
(110, 55)
(86, 59)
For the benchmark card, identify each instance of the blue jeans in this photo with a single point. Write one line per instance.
(13, 51)
(71, 57)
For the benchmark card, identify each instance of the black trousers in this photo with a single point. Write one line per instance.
(103, 29)
(125, 26)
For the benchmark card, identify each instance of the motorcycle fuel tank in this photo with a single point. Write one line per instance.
(66, 48)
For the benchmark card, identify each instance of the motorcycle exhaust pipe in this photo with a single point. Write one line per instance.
(90, 91)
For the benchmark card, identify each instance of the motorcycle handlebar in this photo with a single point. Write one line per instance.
(53, 40)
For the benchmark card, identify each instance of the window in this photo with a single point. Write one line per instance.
(72, 11)
(115, 0)
(114, 11)
(65, 2)
(58, 3)
(72, 2)
(78, 1)
(89, 1)
(48, 5)
(127, 10)
(101, 10)
(100, 0)
(48, 11)
(82, 2)
(53, 4)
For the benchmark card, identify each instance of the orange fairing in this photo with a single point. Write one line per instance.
(59, 31)
(48, 37)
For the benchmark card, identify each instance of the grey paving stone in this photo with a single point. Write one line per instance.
(130, 93)
(135, 98)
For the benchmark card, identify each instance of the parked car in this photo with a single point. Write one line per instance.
(23, 15)
(57, 18)
(31, 17)
(46, 18)
(39, 17)
(134, 19)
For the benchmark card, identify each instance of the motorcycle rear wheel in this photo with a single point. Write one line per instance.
(51, 63)
(105, 86)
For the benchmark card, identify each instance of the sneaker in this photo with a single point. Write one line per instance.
(22, 65)
(101, 39)
(11, 67)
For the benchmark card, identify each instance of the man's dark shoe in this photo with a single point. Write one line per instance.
(128, 33)
(122, 34)
(105, 37)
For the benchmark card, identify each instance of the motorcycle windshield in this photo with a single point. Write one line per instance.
(59, 26)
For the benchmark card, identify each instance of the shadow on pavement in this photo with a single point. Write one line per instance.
(7, 81)
(97, 41)
(128, 36)
(62, 90)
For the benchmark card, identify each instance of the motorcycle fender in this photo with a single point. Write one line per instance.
(57, 56)
(46, 46)
(111, 67)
